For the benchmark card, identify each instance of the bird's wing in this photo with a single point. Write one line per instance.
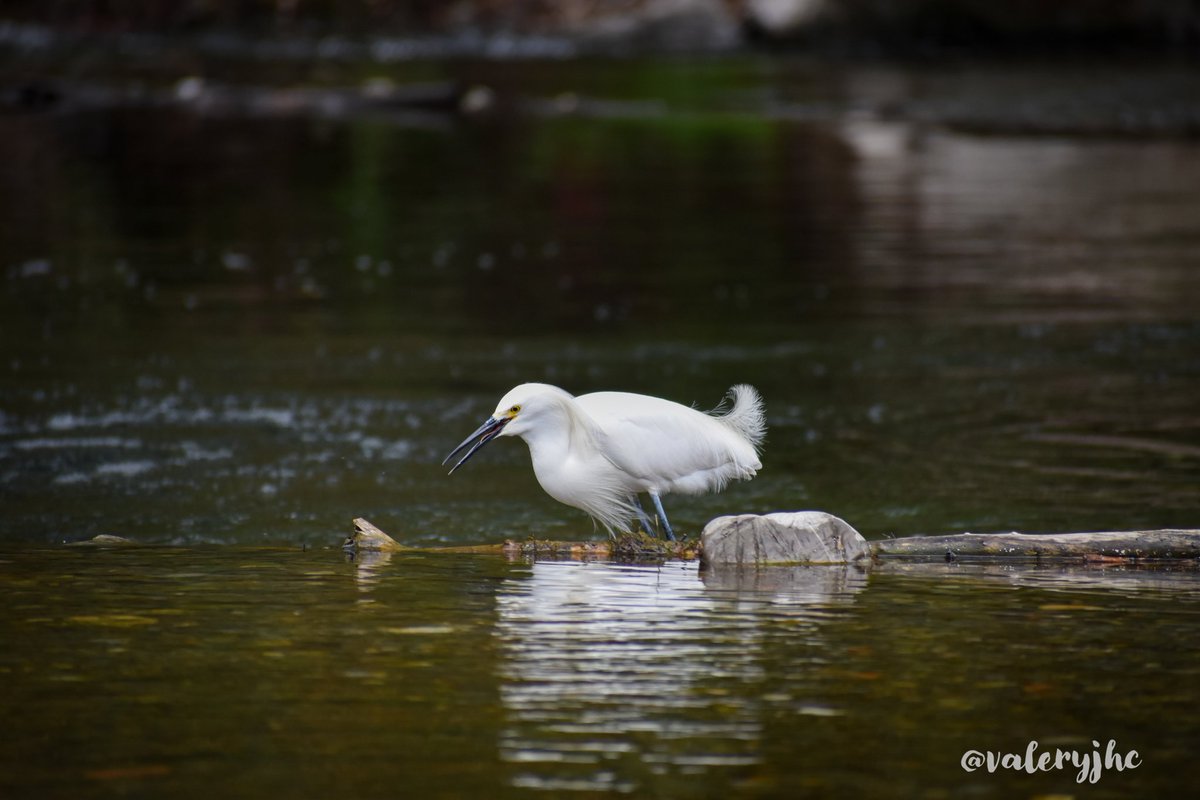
(659, 441)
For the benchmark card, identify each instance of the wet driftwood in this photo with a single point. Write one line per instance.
(814, 537)
(633, 547)
(1170, 544)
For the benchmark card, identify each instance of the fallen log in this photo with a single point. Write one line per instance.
(629, 547)
(1168, 544)
(814, 537)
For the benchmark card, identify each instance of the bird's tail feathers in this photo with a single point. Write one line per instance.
(746, 416)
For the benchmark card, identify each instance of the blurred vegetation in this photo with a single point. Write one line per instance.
(861, 26)
(907, 26)
(254, 16)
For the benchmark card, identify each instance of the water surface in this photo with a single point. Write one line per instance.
(254, 327)
(968, 297)
(166, 671)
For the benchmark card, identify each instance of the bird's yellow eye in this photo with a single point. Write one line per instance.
(515, 410)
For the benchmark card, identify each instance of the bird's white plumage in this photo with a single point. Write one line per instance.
(598, 451)
(667, 447)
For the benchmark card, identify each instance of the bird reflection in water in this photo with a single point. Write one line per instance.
(617, 677)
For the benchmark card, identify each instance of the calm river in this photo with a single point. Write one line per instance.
(971, 301)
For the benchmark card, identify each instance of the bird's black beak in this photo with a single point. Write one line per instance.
(485, 433)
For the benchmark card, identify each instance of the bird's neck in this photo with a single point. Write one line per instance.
(572, 434)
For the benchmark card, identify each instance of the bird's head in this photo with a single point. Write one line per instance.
(518, 412)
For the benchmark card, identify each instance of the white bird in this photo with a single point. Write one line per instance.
(598, 451)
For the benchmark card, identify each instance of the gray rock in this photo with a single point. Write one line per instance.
(102, 540)
(798, 537)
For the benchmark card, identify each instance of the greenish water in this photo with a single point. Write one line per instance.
(228, 334)
(254, 672)
(253, 327)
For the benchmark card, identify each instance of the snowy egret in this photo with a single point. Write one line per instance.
(598, 451)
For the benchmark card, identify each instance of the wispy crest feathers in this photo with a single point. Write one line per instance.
(747, 416)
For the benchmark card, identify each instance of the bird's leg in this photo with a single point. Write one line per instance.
(662, 515)
(641, 512)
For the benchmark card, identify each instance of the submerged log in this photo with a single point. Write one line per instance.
(367, 537)
(814, 537)
(1173, 544)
